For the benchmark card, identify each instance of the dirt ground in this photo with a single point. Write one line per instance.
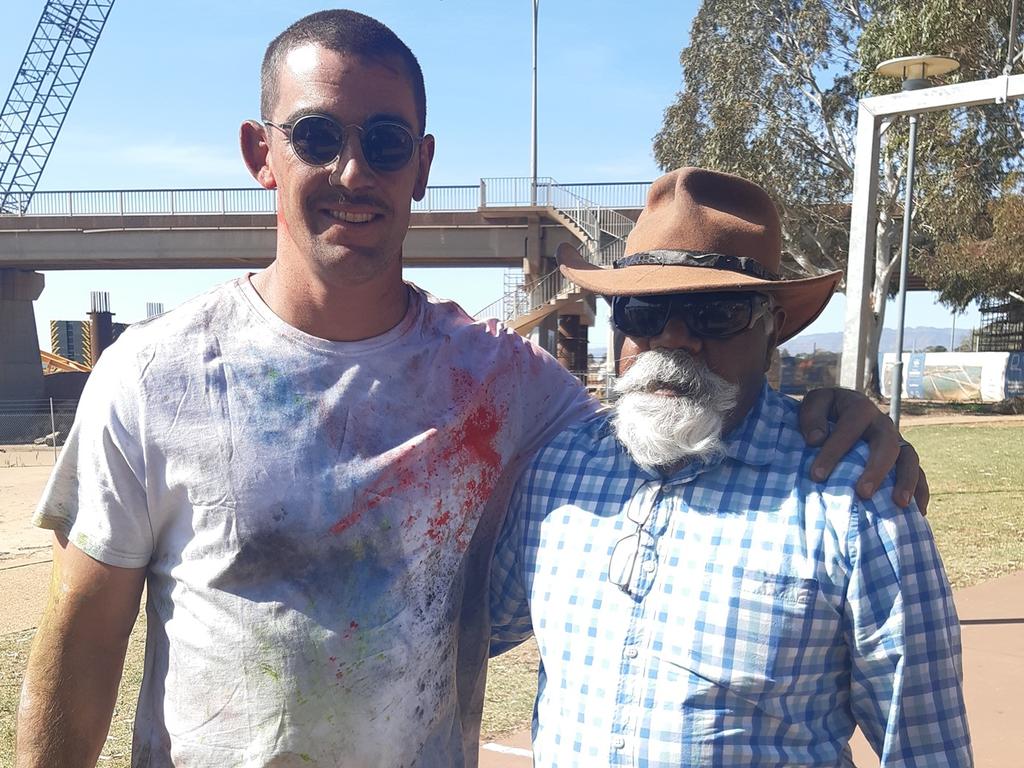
(20, 543)
(24, 550)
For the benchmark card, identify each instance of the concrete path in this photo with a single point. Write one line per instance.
(992, 627)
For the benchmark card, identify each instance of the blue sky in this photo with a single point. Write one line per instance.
(169, 84)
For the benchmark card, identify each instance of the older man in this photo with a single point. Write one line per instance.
(698, 600)
(307, 467)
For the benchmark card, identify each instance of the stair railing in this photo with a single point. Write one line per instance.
(551, 287)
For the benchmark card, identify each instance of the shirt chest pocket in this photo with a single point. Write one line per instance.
(748, 630)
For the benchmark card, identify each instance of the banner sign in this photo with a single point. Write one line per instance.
(957, 376)
(1015, 375)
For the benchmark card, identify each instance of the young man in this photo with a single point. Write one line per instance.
(697, 598)
(307, 467)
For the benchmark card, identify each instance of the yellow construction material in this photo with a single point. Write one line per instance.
(55, 363)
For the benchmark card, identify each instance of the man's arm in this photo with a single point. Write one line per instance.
(511, 623)
(903, 636)
(858, 418)
(70, 687)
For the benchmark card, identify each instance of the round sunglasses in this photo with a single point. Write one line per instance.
(318, 140)
(709, 315)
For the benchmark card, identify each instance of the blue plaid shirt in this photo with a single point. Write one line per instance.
(762, 615)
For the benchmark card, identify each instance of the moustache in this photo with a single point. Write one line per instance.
(672, 370)
(347, 198)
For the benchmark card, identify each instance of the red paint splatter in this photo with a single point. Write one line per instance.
(479, 433)
(399, 476)
(423, 469)
(436, 525)
(282, 223)
(347, 522)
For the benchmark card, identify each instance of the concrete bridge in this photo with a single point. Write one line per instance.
(493, 223)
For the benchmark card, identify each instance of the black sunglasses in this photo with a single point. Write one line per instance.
(709, 315)
(319, 140)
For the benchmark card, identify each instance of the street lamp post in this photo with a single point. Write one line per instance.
(914, 71)
(533, 121)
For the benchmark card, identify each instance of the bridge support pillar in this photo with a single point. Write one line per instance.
(533, 260)
(572, 343)
(21, 371)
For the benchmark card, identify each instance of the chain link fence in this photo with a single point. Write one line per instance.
(32, 431)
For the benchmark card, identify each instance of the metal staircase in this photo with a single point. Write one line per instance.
(602, 232)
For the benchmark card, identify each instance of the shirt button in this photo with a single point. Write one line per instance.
(618, 742)
(631, 653)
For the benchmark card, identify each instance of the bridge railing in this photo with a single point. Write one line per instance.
(496, 192)
(507, 191)
(524, 299)
(440, 199)
(136, 202)
(613, 194)
(252, 200)
(514, 191)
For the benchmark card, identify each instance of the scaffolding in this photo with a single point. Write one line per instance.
(43, 89)
(1002, 325)
(515, 299)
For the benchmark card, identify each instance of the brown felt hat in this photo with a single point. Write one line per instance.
(704, 231)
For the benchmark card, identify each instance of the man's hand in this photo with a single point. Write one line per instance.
(856, 417)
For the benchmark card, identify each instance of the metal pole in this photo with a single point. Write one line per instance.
(863, 235)
(53, 432)
(952, 334)
(901, 297)
(1011, 40)
(533, 121)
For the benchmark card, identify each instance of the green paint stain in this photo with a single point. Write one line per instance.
(269, 670)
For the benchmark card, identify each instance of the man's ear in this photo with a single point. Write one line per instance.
(778, 319)
(256, 152)
(423, 160)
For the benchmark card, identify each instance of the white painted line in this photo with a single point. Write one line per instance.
(508, 750)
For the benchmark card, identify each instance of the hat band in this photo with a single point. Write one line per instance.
(667, 258)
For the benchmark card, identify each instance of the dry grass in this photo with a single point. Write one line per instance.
(511, 687)
(976, 484)
(116, 753)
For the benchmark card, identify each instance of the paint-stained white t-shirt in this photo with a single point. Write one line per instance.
(317, 519)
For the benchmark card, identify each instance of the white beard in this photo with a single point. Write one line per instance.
(660, 431)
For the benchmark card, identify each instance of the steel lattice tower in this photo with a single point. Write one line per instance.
(42, 93)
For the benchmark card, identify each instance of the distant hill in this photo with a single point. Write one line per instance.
(913, 339)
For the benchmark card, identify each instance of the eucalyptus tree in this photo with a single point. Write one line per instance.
(770, 92)
(988, 266)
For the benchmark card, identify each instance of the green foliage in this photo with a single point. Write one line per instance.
(771, 89)
(970, 268)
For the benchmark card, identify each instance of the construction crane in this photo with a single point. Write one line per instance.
(43, 90)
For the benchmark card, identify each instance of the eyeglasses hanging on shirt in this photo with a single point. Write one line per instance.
(624, 570)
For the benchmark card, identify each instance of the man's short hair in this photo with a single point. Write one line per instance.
(346, 32)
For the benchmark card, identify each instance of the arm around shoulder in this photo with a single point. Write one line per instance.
(75, 665)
